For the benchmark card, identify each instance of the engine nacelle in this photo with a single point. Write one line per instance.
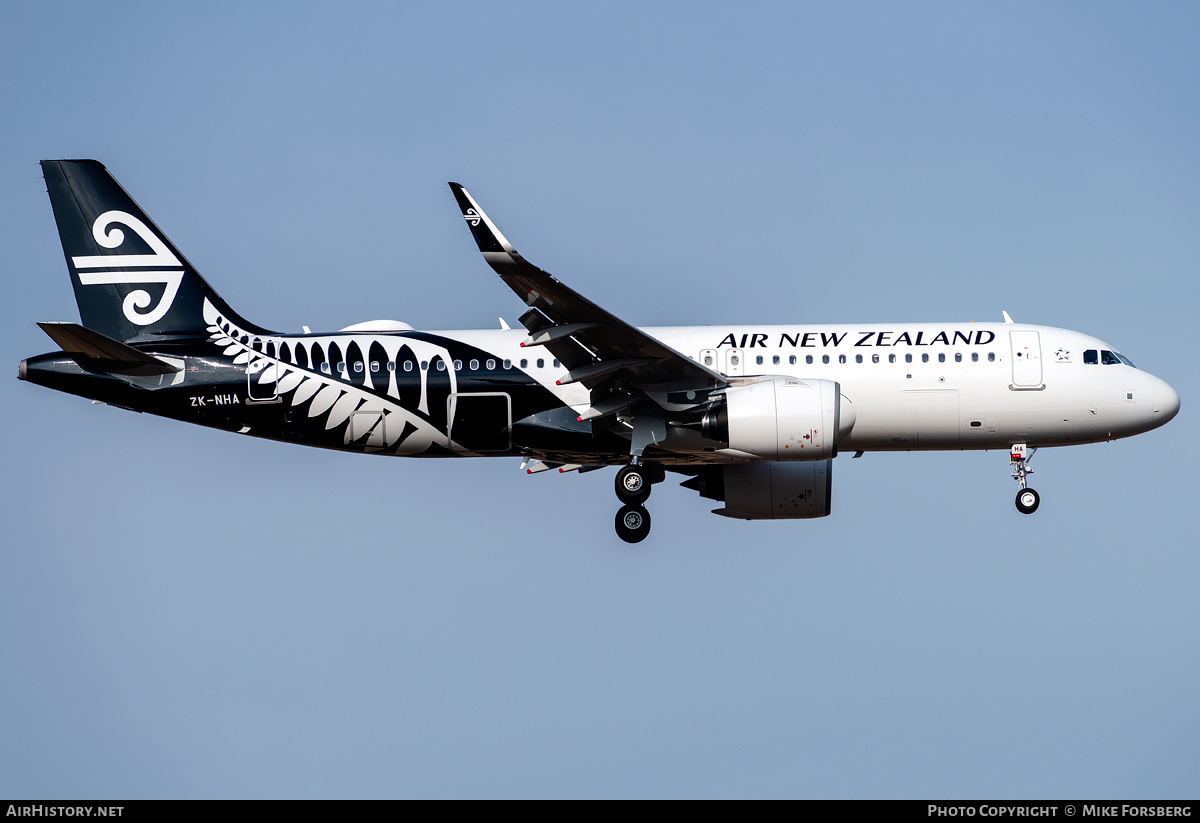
(768, 491)
(782, 418)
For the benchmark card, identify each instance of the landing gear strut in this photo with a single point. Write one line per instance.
(1027, 498)
(633, 484)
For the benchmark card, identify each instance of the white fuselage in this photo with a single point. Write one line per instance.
(918, 386)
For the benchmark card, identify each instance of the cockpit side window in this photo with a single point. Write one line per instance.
(1089, 357)
(1124, 359)
(1107, 358)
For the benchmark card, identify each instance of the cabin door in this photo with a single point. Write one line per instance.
(1026, 360)
(262, 380)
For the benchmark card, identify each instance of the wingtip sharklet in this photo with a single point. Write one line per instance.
(487, 236)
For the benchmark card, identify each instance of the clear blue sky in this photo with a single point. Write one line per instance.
(187, 613)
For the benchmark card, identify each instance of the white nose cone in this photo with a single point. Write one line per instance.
(1166, 403)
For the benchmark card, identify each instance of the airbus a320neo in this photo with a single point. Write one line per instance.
(751, 416)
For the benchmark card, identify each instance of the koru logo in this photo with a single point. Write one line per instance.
(472, 217)
(155, 266)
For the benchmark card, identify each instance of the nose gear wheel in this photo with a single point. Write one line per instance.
(1027, 501)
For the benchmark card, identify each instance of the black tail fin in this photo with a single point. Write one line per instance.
(130, 281)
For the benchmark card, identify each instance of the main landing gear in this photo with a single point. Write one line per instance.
(1027, 498)
(633, 484)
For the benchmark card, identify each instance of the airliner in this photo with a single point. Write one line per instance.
(749, 416)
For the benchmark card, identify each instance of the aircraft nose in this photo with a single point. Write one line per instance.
(1166, 403)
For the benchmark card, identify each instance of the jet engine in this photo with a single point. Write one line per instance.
(768, 491)
(781, 418)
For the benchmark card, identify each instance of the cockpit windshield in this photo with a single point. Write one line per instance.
(1105, 358)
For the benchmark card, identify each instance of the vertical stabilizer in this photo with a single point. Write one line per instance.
(130, 281)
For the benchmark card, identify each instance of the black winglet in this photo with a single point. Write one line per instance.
(487, 236)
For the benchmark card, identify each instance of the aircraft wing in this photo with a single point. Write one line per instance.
(594, 345)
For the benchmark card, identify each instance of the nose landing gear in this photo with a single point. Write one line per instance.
(1027, 498)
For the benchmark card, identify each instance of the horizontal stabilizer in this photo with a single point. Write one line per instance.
(95, 352)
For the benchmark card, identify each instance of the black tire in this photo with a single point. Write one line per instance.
(632, 485)
(1027, 501)
(633, 524)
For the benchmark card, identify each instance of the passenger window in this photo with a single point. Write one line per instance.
(792, 360)
(874, 358)
(325, 368)
(424, 365)
(474, 364)
(925, 357)
(508, 364)
(941, 357)
(341, 368)
(524, 363)
(1089, 357)
(358, 366)
(908, 358)
(841, 358)
(891, 358)
(556, 362)
(858, 358)
(391, 365)
(491, 364)
(758, 360)
(974, 357)
(408, 365)
(775, 360)
(825, 359)
(991, 357)
(808, 359)
(441, 365)
(541, 363)
(958, 357)
(458, 365)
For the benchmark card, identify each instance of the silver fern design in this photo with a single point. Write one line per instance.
(373, 412)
